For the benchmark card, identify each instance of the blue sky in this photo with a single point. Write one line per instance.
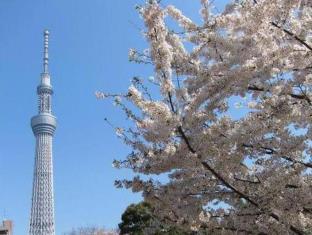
(89, 46)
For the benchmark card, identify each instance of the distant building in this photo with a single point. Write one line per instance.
(6, 228)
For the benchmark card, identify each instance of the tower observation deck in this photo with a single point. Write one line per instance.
(43, 126)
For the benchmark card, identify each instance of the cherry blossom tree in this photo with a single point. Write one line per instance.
(247, 175)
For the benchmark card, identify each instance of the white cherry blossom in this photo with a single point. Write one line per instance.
(254, 169)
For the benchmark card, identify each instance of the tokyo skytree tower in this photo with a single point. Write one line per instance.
(43, 126)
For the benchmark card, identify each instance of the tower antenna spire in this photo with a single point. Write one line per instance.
(46, 52)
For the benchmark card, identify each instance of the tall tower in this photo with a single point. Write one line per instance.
(43, 126)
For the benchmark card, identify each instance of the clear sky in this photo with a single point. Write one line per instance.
(89, 46)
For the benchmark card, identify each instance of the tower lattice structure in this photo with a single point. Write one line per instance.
(43, 126)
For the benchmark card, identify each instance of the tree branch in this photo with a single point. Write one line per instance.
(271, 151)
(303, 42)
(227, 184)
(296, 96)
(247, 181)
(223, 180)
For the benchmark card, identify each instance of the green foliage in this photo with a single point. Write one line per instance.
(139, 219)
(308, 231)
(136, 218)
